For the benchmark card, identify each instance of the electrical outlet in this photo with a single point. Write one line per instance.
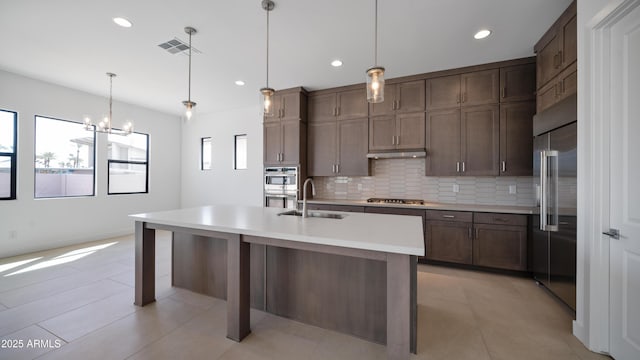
(359, 187)
(456, 188)
(512, 189)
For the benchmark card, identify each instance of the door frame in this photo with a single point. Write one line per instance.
(594, 109)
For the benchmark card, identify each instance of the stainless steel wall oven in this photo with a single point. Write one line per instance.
(281, 187)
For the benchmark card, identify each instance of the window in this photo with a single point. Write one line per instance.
(8, 132)
(205, 153)
(65, 154)
(128, 164)
(240, 159)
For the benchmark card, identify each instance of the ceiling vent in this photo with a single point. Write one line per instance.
(176, 46)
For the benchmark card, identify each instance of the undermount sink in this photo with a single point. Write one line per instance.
(313, 214)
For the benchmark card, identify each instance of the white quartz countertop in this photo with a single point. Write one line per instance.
(433, 206)
(376, 232)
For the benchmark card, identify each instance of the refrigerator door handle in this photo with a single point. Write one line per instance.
(543, 189)
(552, 191)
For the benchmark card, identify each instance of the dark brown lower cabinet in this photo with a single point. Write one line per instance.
(500, 246)
(449, 241)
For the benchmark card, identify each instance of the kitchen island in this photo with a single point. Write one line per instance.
(361, 257)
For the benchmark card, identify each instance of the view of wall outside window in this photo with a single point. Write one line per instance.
(205, 153)
(240, 152)
(128, 163)
(64, 159)
(7, 154)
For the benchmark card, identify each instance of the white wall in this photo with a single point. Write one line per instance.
(222, 184)
(28, 224)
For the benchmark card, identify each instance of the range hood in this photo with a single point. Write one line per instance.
(397, 155)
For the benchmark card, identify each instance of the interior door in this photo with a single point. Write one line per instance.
(624, 211)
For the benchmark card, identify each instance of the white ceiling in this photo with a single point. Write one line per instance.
(74, 43)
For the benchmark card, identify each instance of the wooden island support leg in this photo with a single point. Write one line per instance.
(145, 253)
(238, 285)
(401, 305)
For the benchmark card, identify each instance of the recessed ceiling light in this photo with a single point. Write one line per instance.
(336, 63)
(122, 22)
(482, 34)
(239, 82)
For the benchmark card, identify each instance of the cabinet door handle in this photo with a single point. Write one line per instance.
(503, 92)
(470, 236)
(458, 166)
(449, 216)
(499, 220)
(397, 104)
(504, 166)
(338, 111)
(398, 140)
(337, 168)
(463, 170)
(476, 233)
(464, 97)
(458, 98)
(560, 57)
(393, 140)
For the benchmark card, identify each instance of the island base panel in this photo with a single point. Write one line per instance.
(145, 264)
(310, 287)
(199, 264)
(237, 288)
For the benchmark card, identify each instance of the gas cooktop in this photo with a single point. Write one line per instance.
(396, 201)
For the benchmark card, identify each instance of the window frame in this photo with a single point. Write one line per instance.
(235, 151)
(145, 163)
(202, 140)
(35, 144)
(13, 158)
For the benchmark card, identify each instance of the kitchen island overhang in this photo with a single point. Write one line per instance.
(396, 241)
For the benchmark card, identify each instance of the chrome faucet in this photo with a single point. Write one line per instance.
(304, 195)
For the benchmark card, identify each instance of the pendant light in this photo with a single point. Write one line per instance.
(375, 74)
(190, 105)
(267, 92)
(104, 126)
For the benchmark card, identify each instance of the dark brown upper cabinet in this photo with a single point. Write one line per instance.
(285, 132)
(401, 97)
(397, 132)
(556, 50)
(338, 133)
(563, 85)
(341, 105)
(516, 138)
(398, 123)
(469, 89)
(338, 148)
(518, 83)
(463, 142)
(287, 105)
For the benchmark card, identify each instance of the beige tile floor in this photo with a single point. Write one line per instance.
(77, 303)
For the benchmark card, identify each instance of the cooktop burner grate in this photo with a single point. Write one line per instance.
(396, 201)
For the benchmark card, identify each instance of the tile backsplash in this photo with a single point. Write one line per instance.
(404, 178)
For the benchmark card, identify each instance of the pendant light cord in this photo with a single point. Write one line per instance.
(190, 32)
(110, 101)
(268, 45)
(375, 47)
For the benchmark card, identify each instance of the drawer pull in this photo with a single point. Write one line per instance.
(449, 216)
(500, 220)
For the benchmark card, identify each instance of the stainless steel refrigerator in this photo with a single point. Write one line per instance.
(554, 225)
